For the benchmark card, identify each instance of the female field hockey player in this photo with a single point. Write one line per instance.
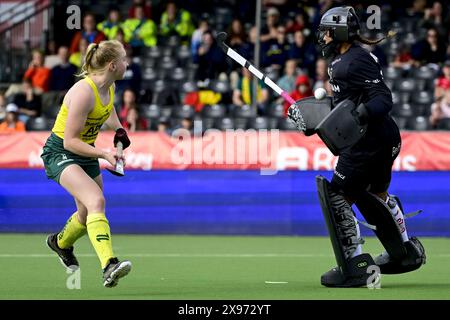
(71, 158)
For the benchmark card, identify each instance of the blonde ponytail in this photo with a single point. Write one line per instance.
(99, 55)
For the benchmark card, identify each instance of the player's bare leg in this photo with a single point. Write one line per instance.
(89, 193)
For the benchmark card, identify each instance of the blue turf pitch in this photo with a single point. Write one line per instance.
(211, 202)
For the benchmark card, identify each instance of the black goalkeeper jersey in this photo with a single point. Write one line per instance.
(357, 75)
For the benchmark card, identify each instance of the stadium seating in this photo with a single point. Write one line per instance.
(224, 123)
(214, 111)
(39, 124)
(245, 111)
(168, 73)
(419, 123)
(444, 124)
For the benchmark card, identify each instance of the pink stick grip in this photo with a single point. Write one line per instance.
(287, 97)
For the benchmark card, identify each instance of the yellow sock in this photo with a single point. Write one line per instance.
(100, 236)
(72, 231)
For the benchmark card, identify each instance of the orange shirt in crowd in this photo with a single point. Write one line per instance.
(20, 127)
(39, 77)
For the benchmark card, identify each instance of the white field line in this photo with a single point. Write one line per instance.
(177, 255)
(192, 255)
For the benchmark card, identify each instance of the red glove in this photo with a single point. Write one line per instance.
(121, 135)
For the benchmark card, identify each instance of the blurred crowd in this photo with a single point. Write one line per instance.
(177, 73)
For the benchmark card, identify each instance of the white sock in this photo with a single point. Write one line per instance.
(398, 217)
(358, 249)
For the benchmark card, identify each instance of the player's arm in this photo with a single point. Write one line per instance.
(365, 76)
(113, 123)
(80, 102)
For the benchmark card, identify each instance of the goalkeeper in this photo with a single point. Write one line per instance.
(363, 172)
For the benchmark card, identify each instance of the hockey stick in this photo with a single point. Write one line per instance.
(221, 37)
(118, 169)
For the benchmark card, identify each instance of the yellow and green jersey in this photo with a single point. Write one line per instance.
(95, 118)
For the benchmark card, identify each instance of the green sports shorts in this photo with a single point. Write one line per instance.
(56, 159)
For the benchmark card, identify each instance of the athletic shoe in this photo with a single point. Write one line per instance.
(415, 257)
(66, 256)
(114, 271)
(357, 273)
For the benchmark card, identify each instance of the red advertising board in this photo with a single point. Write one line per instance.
(231, 150)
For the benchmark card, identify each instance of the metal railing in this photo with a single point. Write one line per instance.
(23, 27)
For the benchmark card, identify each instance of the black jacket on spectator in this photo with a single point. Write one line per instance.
(306, 55)
(211, 63)
(132, 79)
(421, 51)
(35, 104)
(274, 53)
(62, 77)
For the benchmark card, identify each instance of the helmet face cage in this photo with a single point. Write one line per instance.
(342, 21)
(321, 32)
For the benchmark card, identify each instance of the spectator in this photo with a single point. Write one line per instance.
(210, 58)
(321, 73)
(120, 36)
(244, 93)
(52, 58)
(11, 122)
(430, 50)
(89, 32)
(110, 26)
(402, 58)
(296, 24)
(186, 123)
(196, 39)
(275, 52)
(434, 18)
(440, 109)
(147, 5)
(2, 106)
(28, 102)
(63, 75)
(129, 114)
(236, 35)
(37, 73)
(287, 81)
(77, 58)
(140, 31)
(248, 49)
(417, 9)
(132, 77)
(163, 125)
(443, 82)
(269, 31)
(303, 51)
(303, 90)
(176, 21)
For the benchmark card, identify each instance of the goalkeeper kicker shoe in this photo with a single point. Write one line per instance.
(66, 256)
(114, 271)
